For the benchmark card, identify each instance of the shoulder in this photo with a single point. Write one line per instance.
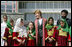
(6, 29)
(44, 19)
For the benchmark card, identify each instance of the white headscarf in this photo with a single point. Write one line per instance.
(20, 29)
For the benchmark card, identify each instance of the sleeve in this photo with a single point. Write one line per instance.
(33, 33)
(6, 34)
(46, 35)
(54, 34)
(15, 34)
(69, 35)
(57, 34)
(69, 38)
(25, 33)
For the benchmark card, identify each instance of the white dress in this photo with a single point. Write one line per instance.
(3, 26)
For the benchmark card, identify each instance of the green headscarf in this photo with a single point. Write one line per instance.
(70, 31)
(65, 28)
(33, 32)
(10, 27)
(48, 26)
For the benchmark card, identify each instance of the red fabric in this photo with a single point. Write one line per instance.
(16, 43)
(50, 43)
(54, 36)
(15, 34)
(6, 34)
(9, 39)
(36, 27)
(62, 41)
(30, 42)
(69, 38)
(46, 35)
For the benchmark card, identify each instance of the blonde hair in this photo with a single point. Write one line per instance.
(38, 11)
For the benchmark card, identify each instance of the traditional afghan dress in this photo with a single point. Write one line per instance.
(8, 34)
(62, 34)
(19, 33)
(51, 33)
(30, 39)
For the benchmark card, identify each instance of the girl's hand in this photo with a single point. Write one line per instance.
(5, 43)
(69, 43)
(31, 34)
(19, 40)
(23, 41)
(56, 44)
(50, 40)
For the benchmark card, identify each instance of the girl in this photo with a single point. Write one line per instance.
(3, 26)
(31, 35)
(8, 33)
(62, 33)
(19, 33)
(51, 33)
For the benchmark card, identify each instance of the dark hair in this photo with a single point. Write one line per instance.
(65, 11)
(49, 19)
(11, 20)
(5, 15)
(21, 20)
(33, 24)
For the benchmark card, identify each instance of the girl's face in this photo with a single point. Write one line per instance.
(21, 23)
(62, 23)
(12, 23)
(31, 26)
(50, 21)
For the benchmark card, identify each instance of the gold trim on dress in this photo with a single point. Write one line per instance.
(14, 37)
(5, 38)
(62, 33)
(50, 33)
(52, 38)
(10, 36)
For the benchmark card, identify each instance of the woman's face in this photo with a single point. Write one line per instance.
(5, 18)
(30, 26)
(62, 23)
(37, 15)
(50, 21)
(21, 23)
